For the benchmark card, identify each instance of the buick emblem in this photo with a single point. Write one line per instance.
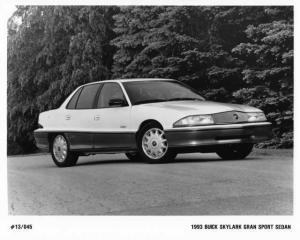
(235, 116)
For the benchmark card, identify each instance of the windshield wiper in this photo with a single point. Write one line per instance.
(186, 98)
(150, 101)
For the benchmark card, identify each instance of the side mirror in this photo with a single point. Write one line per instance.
(117, 102)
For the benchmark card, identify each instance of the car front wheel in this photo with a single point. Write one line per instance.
(61, 154)
(153, 145)
(236, 151)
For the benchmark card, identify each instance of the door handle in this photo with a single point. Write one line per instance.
(68, 117)
(97, 118)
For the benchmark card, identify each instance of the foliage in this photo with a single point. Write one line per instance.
(269, 75)
(234, 54)
(52, 51)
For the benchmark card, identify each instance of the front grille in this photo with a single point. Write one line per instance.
(230, 117)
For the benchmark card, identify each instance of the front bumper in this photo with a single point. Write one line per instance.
(215, 135)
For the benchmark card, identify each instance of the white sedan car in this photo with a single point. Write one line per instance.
(147, 119)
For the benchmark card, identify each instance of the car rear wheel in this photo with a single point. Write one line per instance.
(61, 154)
(153, 145)
(236, 151)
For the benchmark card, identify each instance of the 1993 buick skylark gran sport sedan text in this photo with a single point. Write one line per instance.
(147, 119)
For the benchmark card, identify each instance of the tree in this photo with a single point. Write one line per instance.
(159, 42)
(208, 48)
(229, 53)
(51, 52)
(268, 73)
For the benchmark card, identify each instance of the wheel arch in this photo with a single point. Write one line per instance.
(52, 135)
(146, 122)
(168, 154)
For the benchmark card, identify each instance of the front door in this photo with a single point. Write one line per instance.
(111, 121)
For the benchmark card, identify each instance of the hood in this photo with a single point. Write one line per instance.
(201, 107)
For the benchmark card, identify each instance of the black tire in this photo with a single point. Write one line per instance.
(71, 157)
(168, 154)
(235, 151)
(133, 156)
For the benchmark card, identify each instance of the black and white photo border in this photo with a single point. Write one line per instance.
(141, 227)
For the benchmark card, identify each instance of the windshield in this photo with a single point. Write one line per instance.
(141, 92)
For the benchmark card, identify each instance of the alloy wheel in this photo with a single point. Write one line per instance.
(60, 148)
(154, 143)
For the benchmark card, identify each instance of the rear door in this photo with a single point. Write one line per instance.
(80, 117)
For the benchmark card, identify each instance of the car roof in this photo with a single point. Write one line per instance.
(130, 80)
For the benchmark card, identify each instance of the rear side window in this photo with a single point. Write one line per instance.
(87, 96)
(72, 102)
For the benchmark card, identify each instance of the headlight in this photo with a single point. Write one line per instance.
(256, 117)
(194, 121)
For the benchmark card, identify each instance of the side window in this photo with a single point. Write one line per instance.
(72, 102)
(109, 91)
(87, 96)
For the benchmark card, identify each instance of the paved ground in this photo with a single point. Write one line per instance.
(195, 184)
